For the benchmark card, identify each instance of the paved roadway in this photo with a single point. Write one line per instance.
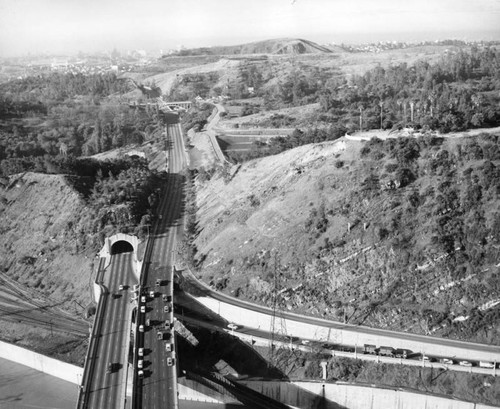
(333, 332)
(158, 388)
(107, 390)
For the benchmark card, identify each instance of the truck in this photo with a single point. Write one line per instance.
(401, 353)
(486, 364)
(370, 349)
(386, 351)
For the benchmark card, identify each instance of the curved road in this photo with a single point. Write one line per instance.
(334, 332)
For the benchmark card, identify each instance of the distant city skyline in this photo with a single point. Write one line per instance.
(69, 26)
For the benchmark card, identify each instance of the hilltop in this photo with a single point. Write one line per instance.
(273, 46)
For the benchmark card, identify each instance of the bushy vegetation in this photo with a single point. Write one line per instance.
(454, 94)
(69, 115)
(49, 121)
(197, 116)
(458, 92)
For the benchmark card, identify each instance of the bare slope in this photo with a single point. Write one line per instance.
(41, 263)
(351, 243)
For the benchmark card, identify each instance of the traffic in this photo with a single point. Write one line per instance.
(163, 327)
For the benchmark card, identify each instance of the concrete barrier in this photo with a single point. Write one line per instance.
(349, 396)
(42, 363)
(346, 334)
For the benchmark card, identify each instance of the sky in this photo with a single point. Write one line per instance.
(70, 26)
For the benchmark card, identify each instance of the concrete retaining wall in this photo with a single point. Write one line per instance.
(348, 334)
(42, 363)
(308, 395)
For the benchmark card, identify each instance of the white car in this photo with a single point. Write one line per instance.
(140, 373)
(140, 352)
(143, 298)
(465, 363)
(143, 309)
(168, 347)
(152, 294)
(446, 361)
(233, 326)
(140, 364)
(141, 328)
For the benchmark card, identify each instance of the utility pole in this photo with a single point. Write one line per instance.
(381, 103)
(361, 119)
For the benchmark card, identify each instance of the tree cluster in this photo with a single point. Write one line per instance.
(451, 95)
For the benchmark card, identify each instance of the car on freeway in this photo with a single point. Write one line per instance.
(140, 373)
(427, 358)
(143, 299)
(143, 309)
(486, 364)
(446, 361)
(141, 328)
(140, 364)
(170, 361)
(168, 347)
(465, 363)
(148, 322)
(140, 352)
(232, 326)
(305, 342)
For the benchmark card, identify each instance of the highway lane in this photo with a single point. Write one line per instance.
(346, 334)
(107, 390)
(158, 388)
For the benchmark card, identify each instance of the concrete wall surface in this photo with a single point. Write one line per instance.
(308, 395)
(42, 363)
(344, 335)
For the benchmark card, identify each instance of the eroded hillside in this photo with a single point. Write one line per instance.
(45, 275)
(400, 234)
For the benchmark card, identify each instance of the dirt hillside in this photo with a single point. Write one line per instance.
(345, 231)
(36, 210)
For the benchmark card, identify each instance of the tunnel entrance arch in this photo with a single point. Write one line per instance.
(121, 246)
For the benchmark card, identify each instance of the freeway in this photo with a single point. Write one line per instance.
(337, 333)
(157, 388)
(108, 365)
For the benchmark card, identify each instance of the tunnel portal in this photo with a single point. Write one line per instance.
(121, 246)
